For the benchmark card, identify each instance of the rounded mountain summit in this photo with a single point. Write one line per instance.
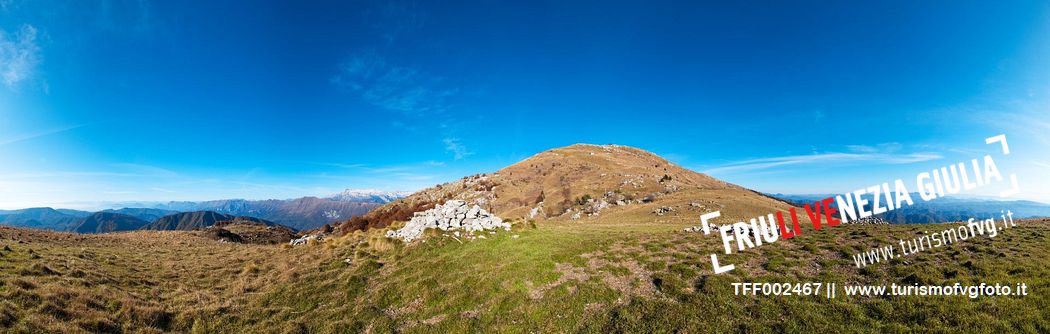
(586, 183)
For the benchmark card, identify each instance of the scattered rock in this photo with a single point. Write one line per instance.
(537, 211)
(453, 215)
(471, 314)
(597, 207)
(434, 320)
(663, 210)
(714, 228)
(306, 238)
(649, 198)
(869, 221)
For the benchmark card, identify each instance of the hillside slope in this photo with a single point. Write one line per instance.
(105, 222)
(187, 221)
(583, 182)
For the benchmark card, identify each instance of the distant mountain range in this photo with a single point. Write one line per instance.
(146, 214)
(945, 209)
(42, 218)
(128, 219)
(304, 213)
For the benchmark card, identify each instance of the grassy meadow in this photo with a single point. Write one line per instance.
(597, 275)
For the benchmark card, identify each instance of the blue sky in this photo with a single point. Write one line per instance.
(150, 101)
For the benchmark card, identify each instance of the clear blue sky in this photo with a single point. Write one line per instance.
(172, 100)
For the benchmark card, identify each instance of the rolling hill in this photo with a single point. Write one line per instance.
(187, 221)
(105, 222)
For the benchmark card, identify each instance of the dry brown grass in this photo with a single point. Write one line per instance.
(136, 281)
(629, 271)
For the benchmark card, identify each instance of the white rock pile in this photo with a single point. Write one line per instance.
(663, 210)
(453, 215)
(306, 238)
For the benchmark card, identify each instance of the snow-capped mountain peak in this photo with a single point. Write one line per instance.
(369, 195)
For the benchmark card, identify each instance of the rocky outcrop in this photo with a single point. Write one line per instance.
(537, 212)
(453, 215)
(249, 232)
(306, 239)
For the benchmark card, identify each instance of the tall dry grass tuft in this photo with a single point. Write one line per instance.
(145, 314)
(8, 316)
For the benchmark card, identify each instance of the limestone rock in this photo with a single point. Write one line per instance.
(869, 221)
(306, 238)
(454, 215)
(663, 210)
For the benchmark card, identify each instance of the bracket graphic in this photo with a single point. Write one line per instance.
(1014, 188)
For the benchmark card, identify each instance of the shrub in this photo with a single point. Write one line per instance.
(377, 219)
(583, 199)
